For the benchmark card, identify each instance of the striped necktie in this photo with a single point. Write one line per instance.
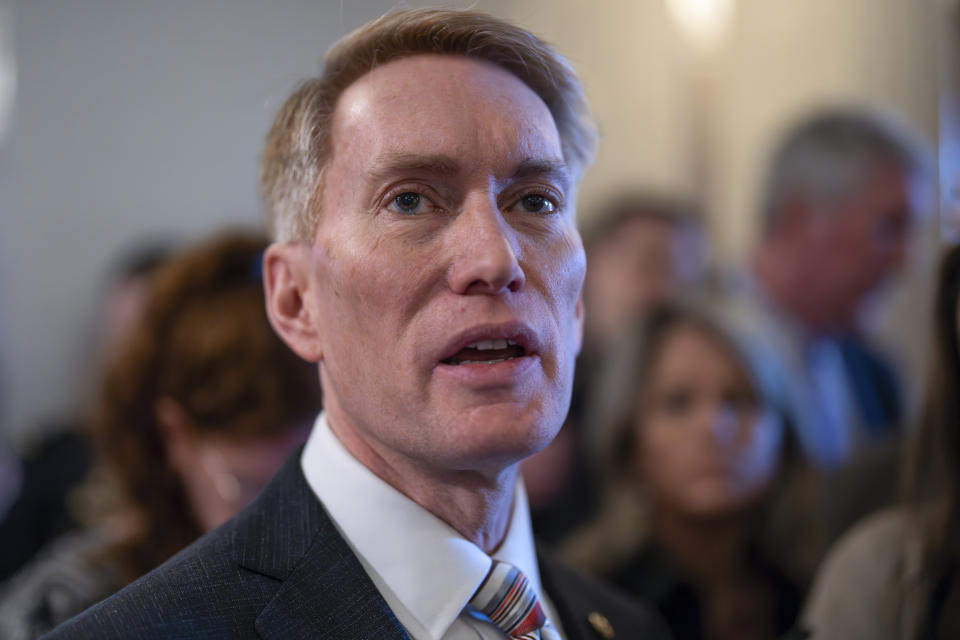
(507, 598)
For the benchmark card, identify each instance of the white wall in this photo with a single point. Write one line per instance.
(132, 118)
(143, 118)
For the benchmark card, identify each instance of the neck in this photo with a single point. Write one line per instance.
(475, 503)
(712, 550)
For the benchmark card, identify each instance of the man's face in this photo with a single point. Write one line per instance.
(865, 239)
(446, 268)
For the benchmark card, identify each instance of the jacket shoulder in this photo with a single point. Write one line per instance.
(201, 592)
(871, 584)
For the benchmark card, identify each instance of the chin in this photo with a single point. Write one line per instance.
(716, 502)
(497, 437)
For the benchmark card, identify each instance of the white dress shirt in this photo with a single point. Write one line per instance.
(423, 568)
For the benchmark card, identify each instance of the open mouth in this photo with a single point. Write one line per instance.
(487, 352)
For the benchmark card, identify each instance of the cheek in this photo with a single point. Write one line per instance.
(575, 278)
(363, 283)
(344, 306)
(577, 261)
(660, 454)
(760, 457)
(563, 268)
(554, 264)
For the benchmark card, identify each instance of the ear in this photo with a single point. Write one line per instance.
(286, 285)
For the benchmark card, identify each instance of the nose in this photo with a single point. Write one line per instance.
(486, 252)
(724, 425)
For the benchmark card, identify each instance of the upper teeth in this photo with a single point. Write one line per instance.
(484, 345)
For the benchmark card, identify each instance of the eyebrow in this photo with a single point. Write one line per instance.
(394, 163)
(553, 170)
(443, 165)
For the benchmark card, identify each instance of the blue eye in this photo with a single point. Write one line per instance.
(407, 202)
(536, 203)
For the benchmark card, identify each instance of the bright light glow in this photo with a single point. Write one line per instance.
(703, 22)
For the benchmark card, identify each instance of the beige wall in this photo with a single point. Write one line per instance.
(632, 62)
(147, 118)
(660, 107)
(781, 58)
(786, 57)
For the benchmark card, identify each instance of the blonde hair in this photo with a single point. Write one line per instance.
(298, 144)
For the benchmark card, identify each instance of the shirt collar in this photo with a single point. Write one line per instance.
(415, 559)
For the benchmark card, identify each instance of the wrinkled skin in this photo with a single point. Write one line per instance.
(447, 216)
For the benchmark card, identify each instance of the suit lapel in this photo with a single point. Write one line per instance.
(579, 619)
(324, 591)
(589, 610)
(328, 595)
(565, 605)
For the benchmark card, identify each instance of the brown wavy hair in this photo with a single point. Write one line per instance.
(931, 479)
(204, 341)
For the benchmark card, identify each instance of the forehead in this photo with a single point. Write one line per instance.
(689, 343)
(889, 176)
(444, 104)
(885, 181)
(887, 191)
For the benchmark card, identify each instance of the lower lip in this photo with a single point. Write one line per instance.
(498, 374)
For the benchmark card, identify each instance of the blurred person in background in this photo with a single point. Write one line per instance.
(11, 468)
(58, 458)
(196, 411)
(696, 460)
(643, 249)
(897, 574)
(838, 212)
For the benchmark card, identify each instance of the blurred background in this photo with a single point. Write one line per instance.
(129, 131)
(123, 121)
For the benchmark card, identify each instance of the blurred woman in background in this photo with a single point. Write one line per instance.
(897, 574)
(57, 453)
(693, 451)
(643, 249)
(196, 412)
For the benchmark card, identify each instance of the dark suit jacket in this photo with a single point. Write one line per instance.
(280, 570)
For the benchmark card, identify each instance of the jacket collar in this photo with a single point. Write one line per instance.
(324, 592)
(286, 534)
